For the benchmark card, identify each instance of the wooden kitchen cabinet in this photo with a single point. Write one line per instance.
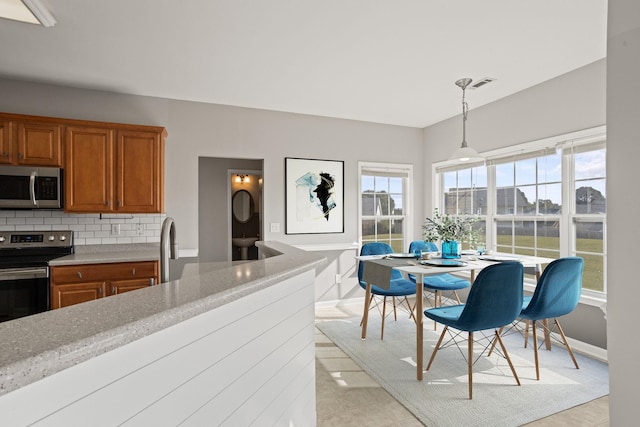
(108, 167)
(114, 170)
(30, 142)
(74, 284)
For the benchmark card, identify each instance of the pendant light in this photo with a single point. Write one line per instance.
(465, 153)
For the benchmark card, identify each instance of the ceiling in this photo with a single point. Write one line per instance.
(392, 62)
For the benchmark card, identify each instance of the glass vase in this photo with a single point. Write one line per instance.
(450, 249)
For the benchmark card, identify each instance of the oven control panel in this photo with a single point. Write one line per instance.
(34, 239)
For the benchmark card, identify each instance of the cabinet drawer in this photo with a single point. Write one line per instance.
(103, 272)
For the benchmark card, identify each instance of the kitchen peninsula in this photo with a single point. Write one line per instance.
(227, 343)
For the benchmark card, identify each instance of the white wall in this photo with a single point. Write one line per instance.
(197, 129)
(623, 152)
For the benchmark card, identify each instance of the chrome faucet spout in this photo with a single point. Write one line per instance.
(168, 240)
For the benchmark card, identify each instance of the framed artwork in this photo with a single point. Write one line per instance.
(314, 196)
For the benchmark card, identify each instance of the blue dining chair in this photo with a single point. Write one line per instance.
(398, 285)
(557, 293)
(438, 283)
(495, 300)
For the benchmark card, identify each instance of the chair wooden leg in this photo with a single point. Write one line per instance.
(436, 299)
(566, 344)
(395, 315)
(384, 309)
(493, 344)
(455, 294)
(411, 310)
(526, 333)
(435, 350)
(470, 364)
(535, 348)
(506, 355)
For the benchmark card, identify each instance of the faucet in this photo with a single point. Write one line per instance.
(167, 239)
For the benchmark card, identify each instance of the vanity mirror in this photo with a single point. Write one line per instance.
(242, 206)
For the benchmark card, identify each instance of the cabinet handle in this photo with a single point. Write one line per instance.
(20, 156)
(119, 203)
(99, 291)
(133, 271)
(106, 203)
(113, 290)
(79, 274)
(152, 281)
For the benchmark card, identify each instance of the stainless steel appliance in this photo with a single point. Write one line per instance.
(24, 187)
(24, 270)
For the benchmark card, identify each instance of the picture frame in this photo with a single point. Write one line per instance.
(314, 196)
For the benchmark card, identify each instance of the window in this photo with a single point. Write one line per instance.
(384, 204)
(546, 198)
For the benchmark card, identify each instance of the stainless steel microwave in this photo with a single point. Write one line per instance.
(25, 187)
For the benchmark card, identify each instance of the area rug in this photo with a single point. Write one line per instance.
(441, 398)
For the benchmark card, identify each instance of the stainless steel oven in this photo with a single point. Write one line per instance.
(24, 270)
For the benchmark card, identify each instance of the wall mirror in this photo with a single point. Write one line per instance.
(242, 203)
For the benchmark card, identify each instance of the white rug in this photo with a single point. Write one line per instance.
(441, 399)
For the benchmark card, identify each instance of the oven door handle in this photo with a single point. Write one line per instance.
(23, 273)
(32, 187)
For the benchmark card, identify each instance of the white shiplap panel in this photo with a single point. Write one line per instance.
(86, 390)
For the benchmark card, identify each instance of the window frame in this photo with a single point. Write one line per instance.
(585, 140)
(400, 169)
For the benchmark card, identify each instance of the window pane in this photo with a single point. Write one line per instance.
(396, 204)
(449, 180)
(589, 237)
(505, 201)
(504, 234)
(395, 185)
(504, 175)
(523, 233)
(593, 272)
(548, 235)
(550, 168)
(526, 171)
(480, 177)
(525, 200)
(464, 179)
(550, 199)
(479, 201)
(382, 183)
(368, 204)
(368, 230)
(590, 164)
(367, 183)
(590, 196)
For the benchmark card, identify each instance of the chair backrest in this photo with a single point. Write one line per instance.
(376, 248)
(558, 290)
(495, 298)
(421, 245)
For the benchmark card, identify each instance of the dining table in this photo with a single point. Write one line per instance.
(377, 270)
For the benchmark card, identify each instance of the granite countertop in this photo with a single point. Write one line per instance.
(38, 346)
(99, 254)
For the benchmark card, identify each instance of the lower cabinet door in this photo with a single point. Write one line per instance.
(64, 295)
(121, 286)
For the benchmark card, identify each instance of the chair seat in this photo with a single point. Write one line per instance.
(447, 315)
(397, 288)
(443, 282)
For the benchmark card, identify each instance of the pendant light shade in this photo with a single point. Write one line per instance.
(465, 153)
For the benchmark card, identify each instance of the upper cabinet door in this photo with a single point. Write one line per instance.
(6, 142)
(139, 172)
(89, 170)
(39, 144)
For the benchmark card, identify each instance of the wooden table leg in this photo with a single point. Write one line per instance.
(365, 315)
(419, 330)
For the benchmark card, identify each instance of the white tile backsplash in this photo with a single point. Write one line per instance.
(89, 229)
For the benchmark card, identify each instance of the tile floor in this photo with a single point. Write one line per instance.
(354, 399)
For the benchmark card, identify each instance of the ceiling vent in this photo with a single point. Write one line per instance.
(481, 82)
